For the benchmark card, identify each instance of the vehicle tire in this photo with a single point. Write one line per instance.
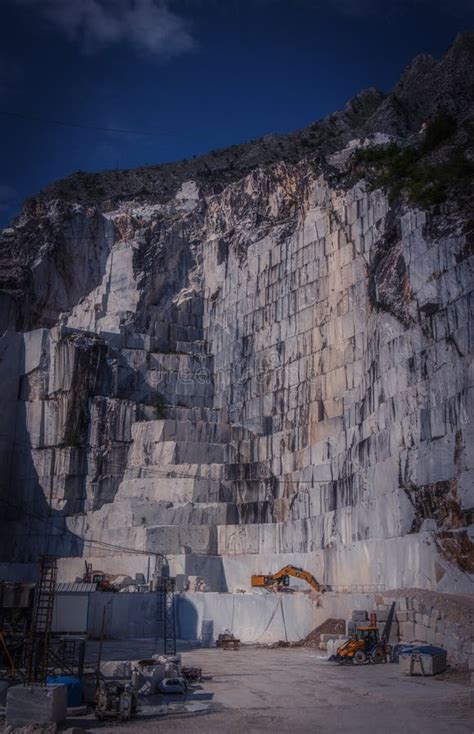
(377, 655)
(360, 658)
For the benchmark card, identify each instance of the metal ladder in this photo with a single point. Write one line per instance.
(37, 654)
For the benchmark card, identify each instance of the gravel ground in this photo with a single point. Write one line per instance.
(296, 690)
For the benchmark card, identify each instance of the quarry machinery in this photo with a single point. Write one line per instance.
(281, 579)
(99, 578)
(366, 645)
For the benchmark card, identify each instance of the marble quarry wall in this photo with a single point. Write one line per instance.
(277, 373)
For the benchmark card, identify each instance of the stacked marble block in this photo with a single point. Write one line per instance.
(344, 391)
(330, 402)
(423, 622)
(175, 492)
(309, 415)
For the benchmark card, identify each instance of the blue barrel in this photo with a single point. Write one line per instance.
(73, 685)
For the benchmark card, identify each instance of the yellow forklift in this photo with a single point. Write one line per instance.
(366, 645)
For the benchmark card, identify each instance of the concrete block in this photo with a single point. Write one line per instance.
(407, 631)
(402, 604)
(420, 632)
(452, 642)
(401, 616)
(40, 705)
(381, 614)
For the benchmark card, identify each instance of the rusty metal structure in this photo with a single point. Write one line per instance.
(16, 604)
(37, 648)
(165, 589)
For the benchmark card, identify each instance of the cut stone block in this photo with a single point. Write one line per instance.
(40, 705)
(420, 632)
(359, 615)
(407, 631)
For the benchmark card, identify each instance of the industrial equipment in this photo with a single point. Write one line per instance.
(99, 578)
(227, 641)
(281, 579)
(173, 685)
(165, 588)
(115, 700)
(16, 604)
(365, 644)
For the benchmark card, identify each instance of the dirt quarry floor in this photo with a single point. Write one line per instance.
(296, 690)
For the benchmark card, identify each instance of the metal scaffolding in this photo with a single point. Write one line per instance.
(165, 588)
(38, 643)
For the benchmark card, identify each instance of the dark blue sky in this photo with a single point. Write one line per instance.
(206, 73)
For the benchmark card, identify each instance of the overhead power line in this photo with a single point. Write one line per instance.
(48, 521)
(169, 473)
(96, 128)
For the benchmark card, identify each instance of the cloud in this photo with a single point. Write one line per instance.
(8, 197)
(148, 25)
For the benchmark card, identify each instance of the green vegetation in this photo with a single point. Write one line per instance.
(438, 132)
(401, 170)
(159, 403)
(430, 184)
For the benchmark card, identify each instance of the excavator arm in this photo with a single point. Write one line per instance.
(280, 576)
(300, 573)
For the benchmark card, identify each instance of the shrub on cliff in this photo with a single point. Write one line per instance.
(402, 169)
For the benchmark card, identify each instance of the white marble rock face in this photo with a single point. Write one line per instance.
(318, 378)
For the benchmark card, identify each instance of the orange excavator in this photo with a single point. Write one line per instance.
(281, 579)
